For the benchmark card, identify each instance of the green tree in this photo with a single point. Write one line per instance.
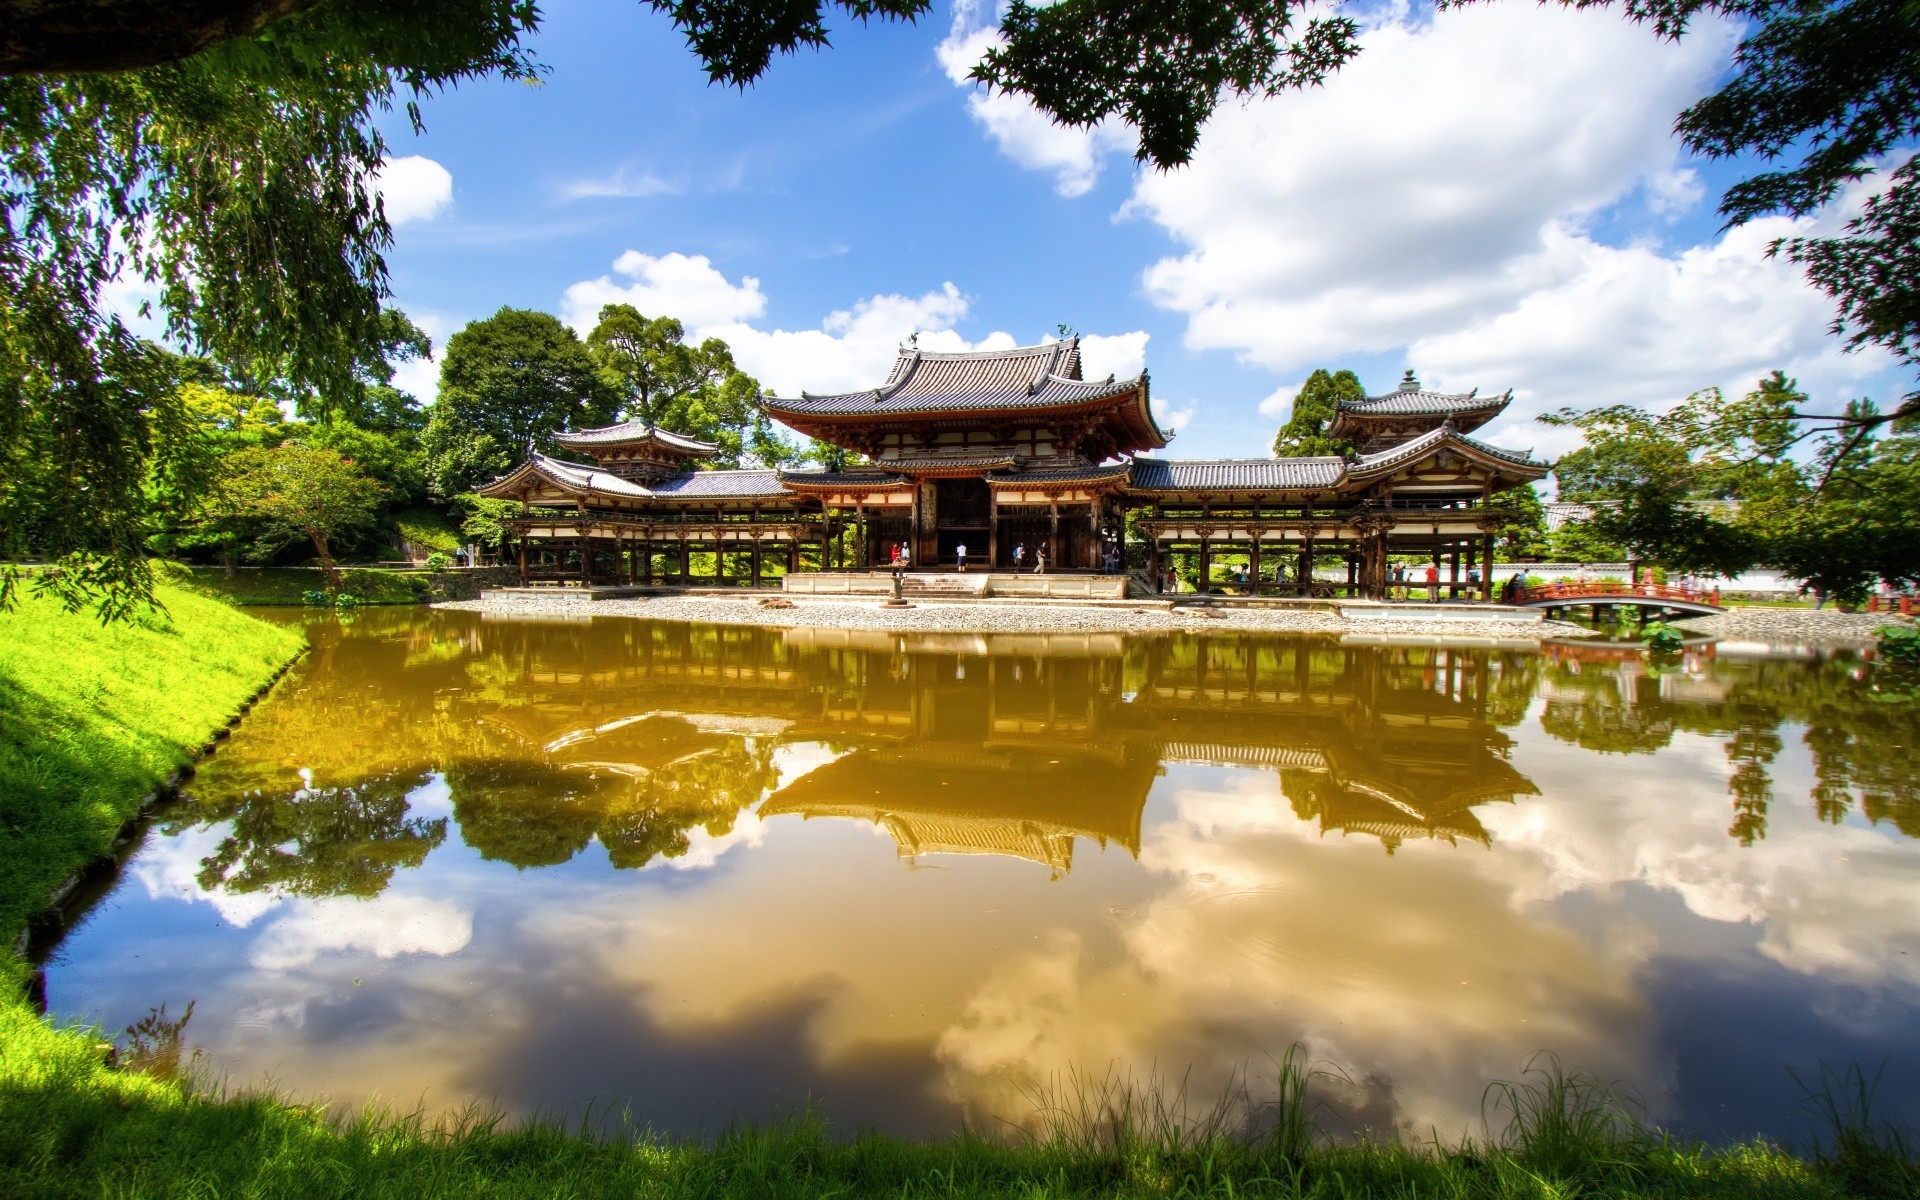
(1844, 519)
(1305, 433)
(1645, 480)
(297, 491)
(695, 390)
(646, 360)
(507, 385)
(1522, 531)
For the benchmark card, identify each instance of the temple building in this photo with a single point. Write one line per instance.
(1014, 455)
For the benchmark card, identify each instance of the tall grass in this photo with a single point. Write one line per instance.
(93, 717)
(70, 1126)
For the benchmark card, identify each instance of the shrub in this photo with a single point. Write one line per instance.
(346, 600)
(438, 561)
(1661, 638)
(1899, 644)
(1657, 576)
(316, 598)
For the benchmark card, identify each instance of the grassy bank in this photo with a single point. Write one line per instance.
(92, 718)
(72, 1127)
(277, 586)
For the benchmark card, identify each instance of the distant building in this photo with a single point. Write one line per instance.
(1014, 448)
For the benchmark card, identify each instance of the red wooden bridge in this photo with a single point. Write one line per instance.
(1643, 595)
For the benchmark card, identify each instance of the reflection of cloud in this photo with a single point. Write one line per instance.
(705, 849)
(1827, 900)
(387, 926)
(1405, 969)
(169, 866)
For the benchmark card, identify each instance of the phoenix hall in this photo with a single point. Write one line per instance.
(1013, 452)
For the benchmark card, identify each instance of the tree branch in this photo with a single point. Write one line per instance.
(79, 36)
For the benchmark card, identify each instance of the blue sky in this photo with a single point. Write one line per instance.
(1490, 195)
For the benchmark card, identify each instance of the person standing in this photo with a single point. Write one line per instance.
(1433, 581)
(1019, 556)
(906, 554)
(960, 555)
(1040, 560)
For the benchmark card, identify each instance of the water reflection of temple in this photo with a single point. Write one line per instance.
(1023, 745)
(641, 735)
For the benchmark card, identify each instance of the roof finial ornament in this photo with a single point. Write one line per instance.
(1408, 383)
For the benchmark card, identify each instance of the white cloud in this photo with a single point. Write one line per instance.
(1439, 195)
(1172, 418)
(1122, 355)
(853, 347)
(623, 184)
(1279, 404)
(1022, 132)
(413, 188)
(671, 285)
(391, 924)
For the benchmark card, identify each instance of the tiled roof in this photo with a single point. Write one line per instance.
(1244, 474)
(850, 479)
(1043, 376)
(1069, 473)
(1416, 402)
(918, 463)
(581, 477)
(633, 431)
(695, 485)
(1410, 451)
(720, 485)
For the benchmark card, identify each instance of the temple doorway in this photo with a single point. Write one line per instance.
(962, 516)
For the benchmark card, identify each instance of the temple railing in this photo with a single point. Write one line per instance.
(1592, 590)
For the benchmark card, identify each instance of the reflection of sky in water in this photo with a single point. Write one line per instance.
(713, 874)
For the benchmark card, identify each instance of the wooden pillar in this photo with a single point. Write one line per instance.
(1253, 564)
(1153, 561)
(1453, 572)
(522, 539)
(1486, 566)
(586, 555)
(1053, 532)
(861, 536)
(993, 530)
(793, 551)
(754, 571)
(1305, 570)
(1205, 586)
(686, 561)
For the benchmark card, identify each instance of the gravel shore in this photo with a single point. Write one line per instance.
(1796, 626)
(1005, 617)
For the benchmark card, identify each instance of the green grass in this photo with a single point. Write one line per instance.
(70, 1126)
(275, 586)
(92, 718)
(429, 528)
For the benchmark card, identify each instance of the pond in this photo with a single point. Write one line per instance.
(576, 868)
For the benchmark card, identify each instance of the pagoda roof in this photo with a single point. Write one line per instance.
(842, 480)
(1029, 379)
(1517, 463)
(1237, 474)
(583, 481)
(1467, 410)
(630, 432)
(1071, 472)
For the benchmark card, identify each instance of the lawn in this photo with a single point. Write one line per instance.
(93, 717)
(278, 586)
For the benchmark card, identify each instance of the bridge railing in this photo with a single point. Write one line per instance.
(1585, 593)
